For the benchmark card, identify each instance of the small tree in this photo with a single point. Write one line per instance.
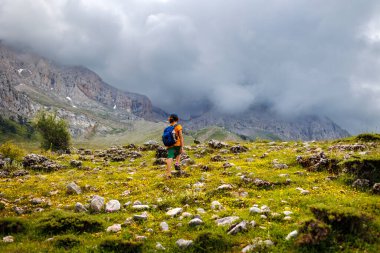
(55, 132)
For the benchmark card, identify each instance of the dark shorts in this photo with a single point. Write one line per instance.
(173, 152)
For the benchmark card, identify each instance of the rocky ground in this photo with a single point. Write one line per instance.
(230, 197)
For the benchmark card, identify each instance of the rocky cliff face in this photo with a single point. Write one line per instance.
(261, 122)
(29, 82)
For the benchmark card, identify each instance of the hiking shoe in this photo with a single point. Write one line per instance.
(177, 167)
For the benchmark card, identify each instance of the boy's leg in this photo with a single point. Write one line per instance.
(177, 162)
(169, 162)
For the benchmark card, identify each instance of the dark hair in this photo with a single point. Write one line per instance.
(173, 118)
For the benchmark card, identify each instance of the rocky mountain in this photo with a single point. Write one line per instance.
(262, 122)
(29, 82)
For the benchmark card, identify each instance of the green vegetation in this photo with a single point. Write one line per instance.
(16, 129)
(329, 214)
(12, 151)
(55, 132)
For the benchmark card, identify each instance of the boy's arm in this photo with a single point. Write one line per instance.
(181, 139)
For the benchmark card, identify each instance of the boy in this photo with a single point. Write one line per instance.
(175, 151)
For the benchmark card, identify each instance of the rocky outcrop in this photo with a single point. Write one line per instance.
(29, 82)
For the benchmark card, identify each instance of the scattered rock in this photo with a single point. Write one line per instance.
(140, 207)
(240, 227)
(318, 162)
(97, 204)
(40, 163)
(184, 244)
(76, 164)
(164, 226)
(160, 161)
(18, 210)
(225, 187)
(195, 222)
(8, 239)
(217, 144)
(215, 205)
(151, 145)
(217, 158)
(36, 201)
(227, 220)
(361, 184)
(79, 208)
(291, 235)
(20, 173)
(113, 206)
(348, 147)
(159, 246)
(254, 210)
(114, 228)
(73, 188)
(238, 149)
(140, 217)
(141, 238)
(174, 212)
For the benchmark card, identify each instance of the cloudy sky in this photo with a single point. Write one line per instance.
(301, 56)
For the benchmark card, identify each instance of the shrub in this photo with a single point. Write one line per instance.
(343, 220)
(119, 245)
(54, 131)
(62, 222)
(367, 137)
(66, 241)
(313, 232)
(210, 242)
(12, 226)
(11, 151)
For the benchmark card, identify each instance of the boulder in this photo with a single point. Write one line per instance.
(113, 206)
(73, 188)
(97, 204)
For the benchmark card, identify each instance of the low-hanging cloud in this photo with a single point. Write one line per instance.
(299, 56)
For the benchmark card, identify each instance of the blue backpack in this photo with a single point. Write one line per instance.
(169, 138)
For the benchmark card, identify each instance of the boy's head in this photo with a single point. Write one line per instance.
(173, 118)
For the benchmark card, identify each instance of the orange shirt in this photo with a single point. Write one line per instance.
(177, 129)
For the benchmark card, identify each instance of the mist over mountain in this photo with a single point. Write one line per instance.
(302, 57)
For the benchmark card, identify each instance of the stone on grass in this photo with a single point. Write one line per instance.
(114, 228)
(184, 244)
(287, 213)
(97, 204)
(8, 239)
(240, 227)
(79, 208)
(227, 220)
(254, 210)
(265, 209)
(291, 235)
(140, 207)
(159, 246)
(216, 205)
(141, 238)
(113, 206)
(140, 217)
(201, 211)
(225, 187)
(164, 226)
(195, 222)
(174, 212)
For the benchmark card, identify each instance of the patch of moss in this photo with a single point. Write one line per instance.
(119, 245)
(344, 220)
(368, 168)
(12, 226)
(62, 222)
(210, 242)
(66, 241)
(368, 137)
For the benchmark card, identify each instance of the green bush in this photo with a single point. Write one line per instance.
(119, 245)
(313, 232)
(62, 222)
(55, 132)
(368, 137)
(210, 242)
(343, 220)
(11, 151)
(66, 241)
(12, 226)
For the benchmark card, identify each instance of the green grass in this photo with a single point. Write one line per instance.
(146, 183)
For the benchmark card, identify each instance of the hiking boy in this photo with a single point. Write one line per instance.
(175, 150)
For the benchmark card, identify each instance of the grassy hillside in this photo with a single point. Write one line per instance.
(265, 185)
